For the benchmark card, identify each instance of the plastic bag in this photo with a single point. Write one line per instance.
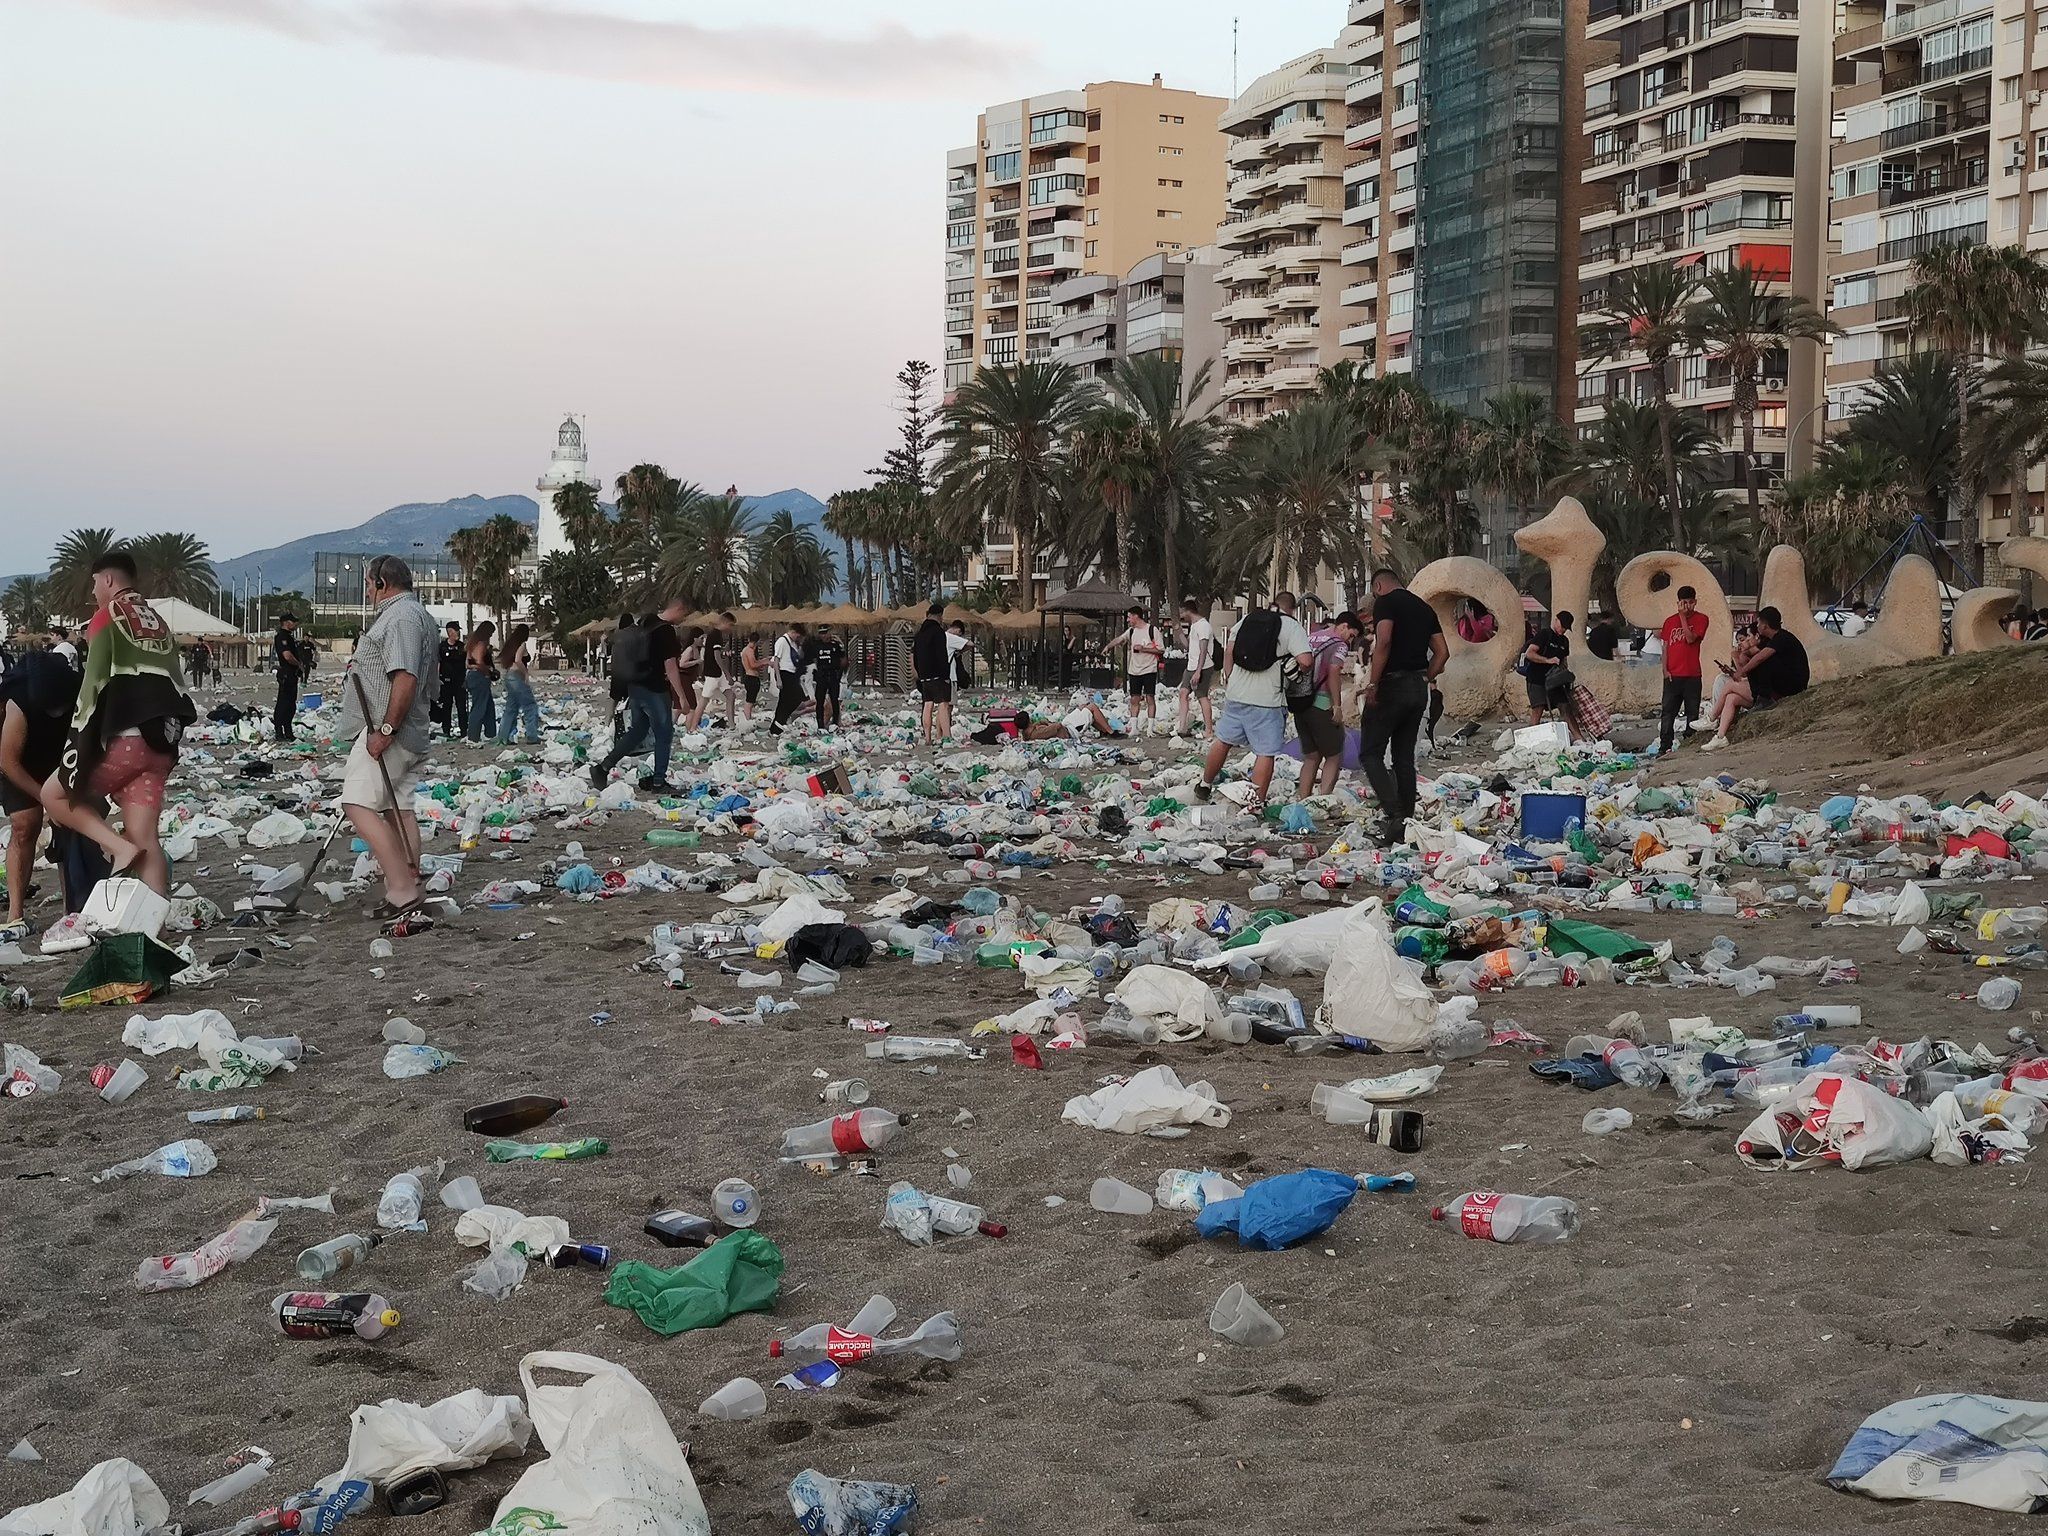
(741, 1272)
(1370, 991)
(613, 1468)
(1832, 1119)
(1956, 1446)
(115, 1498)
(1153, 1101)
(388, 1440)
(1181, 1005)
(1280, 1211)
(1307, 947)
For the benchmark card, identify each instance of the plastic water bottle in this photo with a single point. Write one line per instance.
(179, 1160)
(1622, 1056)
(330, 1315)
(1511, 1218)
(937, 1338)
(398, 1208)
(863, 1130)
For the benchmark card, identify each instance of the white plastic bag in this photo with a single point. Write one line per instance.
(1912, 907)
(1372, 992)
(277, 830)
(1153, 1101)
(116, 1498)
(613, 1468)
(1836, 1119)
(1181, 1005)
(1960, 1447)
(796, 912)
(1305, 947)
(389, 1439)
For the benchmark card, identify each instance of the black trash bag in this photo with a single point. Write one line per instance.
(1112, 821)
(835, 944)
(1113, 928)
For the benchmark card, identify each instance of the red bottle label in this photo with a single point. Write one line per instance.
(843, 1348)
(846, 1136)
(1476, 1216)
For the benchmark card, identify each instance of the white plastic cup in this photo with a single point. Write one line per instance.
(404, 1032)
(127, 1078)
(1119, 1198)
(1241, 1320)
(380, 949)
(1338, 1107)
(740, 1398)
(462, 1194)
(735, 1203)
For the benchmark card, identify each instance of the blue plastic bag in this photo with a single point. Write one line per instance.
(577, 880)
(1296, 819)
(1838, 808)
(1282, 1210)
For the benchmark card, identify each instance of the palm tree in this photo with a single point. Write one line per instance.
(786, 565)
(466, 548)
(1176, 444)
(653, 505)
(845, 515)
(1740, 321)
(704, 562)
(571, 587)
(1297, 488)
(1518, 447)
(1963, 296)
(25, 604)
(1908, 413)
(494, 576)
(1434, 448)
(1647, 311)
(173, 565)
(1625, 451)
(583, 521)
(1004, 454)
(69, 585)
(1847, 511)
(1108, 469)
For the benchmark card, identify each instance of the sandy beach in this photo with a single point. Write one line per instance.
(1691, 1361)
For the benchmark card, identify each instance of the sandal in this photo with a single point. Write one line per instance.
(390, 912)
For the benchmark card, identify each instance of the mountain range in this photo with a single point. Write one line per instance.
(423, 528)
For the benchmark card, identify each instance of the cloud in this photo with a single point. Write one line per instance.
(888, 60)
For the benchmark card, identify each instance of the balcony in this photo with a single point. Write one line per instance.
(1932, 182)
(1297, 376)
(1930, 240)
(1304, 333)
(1894, 80)
(1933, 16)
(1938, 126)
(1362, 293)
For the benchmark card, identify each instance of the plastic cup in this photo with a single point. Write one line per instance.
(462, 1194)
(1119, 1198)
(740, 1398)
(1241, 1320)
(1338, 1107)
(127, 1078)
(735, 1203)
(404, 1032)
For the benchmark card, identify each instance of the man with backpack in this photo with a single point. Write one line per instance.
(637, 677)
(1254, 698)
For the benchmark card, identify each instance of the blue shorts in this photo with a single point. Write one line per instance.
(1261, 729)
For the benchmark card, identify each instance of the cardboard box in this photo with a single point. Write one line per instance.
(831, 781)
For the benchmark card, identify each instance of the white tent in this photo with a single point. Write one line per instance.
(192, 623)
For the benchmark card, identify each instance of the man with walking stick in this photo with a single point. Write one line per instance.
(393, 680)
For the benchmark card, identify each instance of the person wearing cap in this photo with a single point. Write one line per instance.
(291, 671)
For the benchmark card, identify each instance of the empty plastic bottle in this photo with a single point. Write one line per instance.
(323, 1262)
(398, 1209)
(331, 1314)
(937, 1338)
(1624, 1057)
(1511, 1218)
(920, 1048)
(862, 1130)
(179, 1160)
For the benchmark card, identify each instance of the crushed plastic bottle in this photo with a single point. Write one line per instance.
(1511, 1218)
(179, 1160)
(849, 1135)
(832, 1506)
(936, 1338)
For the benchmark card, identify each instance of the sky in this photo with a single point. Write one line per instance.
(271, 266)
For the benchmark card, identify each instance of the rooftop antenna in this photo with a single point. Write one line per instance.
(1233, 58)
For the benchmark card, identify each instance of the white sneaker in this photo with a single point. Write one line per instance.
(1715, 745)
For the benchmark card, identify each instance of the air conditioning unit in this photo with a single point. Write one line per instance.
(2016, 157)
(2033, 98)
(1776, 386)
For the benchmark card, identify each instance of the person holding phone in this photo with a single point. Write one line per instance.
(1775, 670)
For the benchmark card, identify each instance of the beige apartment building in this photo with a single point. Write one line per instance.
(1382, 44)
(1705, 145)
(1941, 138)
(1099, 318)
(1280, 242)
(1091, 181)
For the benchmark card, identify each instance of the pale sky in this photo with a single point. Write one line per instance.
(271, 266)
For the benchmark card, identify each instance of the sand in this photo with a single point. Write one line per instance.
(1692, 1361)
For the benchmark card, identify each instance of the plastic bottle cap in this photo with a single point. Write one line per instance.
(388, 1317)
(1436, 1213)
(775, 1349)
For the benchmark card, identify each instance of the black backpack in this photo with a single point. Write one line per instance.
(630, 647)
(1257, 644)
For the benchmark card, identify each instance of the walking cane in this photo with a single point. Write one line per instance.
(406, 841)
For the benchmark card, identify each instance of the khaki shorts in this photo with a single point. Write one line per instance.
(362, 784)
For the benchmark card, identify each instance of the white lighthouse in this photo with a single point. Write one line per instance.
(569, 466)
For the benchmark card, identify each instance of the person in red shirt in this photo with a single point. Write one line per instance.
(1682, 634)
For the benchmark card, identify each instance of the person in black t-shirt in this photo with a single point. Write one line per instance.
(1408, 651)
(1775, 670)
(290, 664)
(1549, 679)
(827, 656)
(451, 710)
(652, 691)
(931, 660)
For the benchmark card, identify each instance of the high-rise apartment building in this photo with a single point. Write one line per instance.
(1382, 43)
(1705, 136)
(1499, 156)
(1098, 319)
(1055, 186)
(1282, 237)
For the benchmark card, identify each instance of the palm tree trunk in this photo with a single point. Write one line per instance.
(1021, 547)
(1968, 547)
(1672, 504)
(1756, 510)
(1170, 561)
(1122, 507)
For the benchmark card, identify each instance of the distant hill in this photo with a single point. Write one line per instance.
(424, 527)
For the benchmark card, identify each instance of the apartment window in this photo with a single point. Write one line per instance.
(1407, 93)
(1852, 291)
(2009, 88)
(1046, 126)
(1165, 117)
(1045, 188)
(1170, 149)
(2008, 214)
(1170, 181)
(2040, 220)
(1006, 167)
(2041, 151)
(1404, 177)
(1094, 217)
(1855, 180)
(1095, 122)
(2015, 30)
(959, 236)
(960, 295)
(1092, 187)
(1089, 249)
(1094, 154)
(1169, 213)
(2041, 22)
(1002, 350)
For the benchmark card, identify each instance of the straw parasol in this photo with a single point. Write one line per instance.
(851, 616)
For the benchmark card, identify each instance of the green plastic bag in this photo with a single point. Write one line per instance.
(546, 1151)
(1652, 801)
(122, 968)
(739, 1273)
(1266, 917)
(1562, 936)
(923, 784)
